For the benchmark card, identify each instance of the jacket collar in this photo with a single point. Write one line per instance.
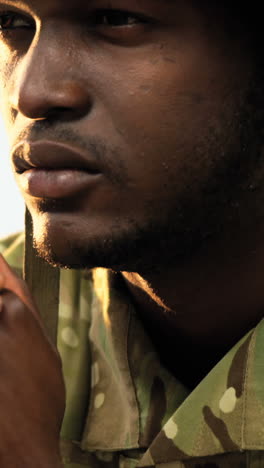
(136, 404)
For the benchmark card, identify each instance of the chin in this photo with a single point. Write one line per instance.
(66, 245)
(60, 249)
(71, 240)
(93, 253)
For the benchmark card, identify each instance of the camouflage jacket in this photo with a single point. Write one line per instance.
(124, 410)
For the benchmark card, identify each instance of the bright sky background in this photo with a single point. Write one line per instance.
(11, 203)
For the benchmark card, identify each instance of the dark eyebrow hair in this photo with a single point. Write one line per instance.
(29, 6)
(15, 3)
(25, 2)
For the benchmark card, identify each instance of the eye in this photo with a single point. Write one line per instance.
(120, 27)
(116, 18)
(10, 20)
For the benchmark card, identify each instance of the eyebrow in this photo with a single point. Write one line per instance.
(24, 4)
(29, 7)
(15, 3)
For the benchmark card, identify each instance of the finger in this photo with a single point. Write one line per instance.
(13, 309)
(10, 280)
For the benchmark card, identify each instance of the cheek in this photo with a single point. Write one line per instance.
(168, 93)
(8, 63)
(160, 123)
(165, 111)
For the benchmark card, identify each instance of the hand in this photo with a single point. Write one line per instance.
(32, 393)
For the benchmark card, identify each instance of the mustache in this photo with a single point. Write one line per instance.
(108, 156)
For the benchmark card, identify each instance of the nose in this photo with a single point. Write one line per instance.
(47, 83)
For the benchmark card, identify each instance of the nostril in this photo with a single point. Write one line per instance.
(13, 114)
(54, 111)
(64, 113)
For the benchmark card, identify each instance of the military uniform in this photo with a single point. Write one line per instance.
(124, 409)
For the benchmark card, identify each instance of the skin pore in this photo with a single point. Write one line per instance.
(166, 97)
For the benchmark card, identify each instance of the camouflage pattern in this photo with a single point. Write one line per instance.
(124, 410)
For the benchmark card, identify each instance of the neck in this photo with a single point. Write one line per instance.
(202, 309)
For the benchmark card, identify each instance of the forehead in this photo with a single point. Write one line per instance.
(40, 5)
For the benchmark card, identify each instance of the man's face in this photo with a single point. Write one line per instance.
(144, 98)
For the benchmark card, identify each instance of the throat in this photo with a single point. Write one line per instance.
(191, 339)
(182, 356)
(186, 358)
(187, 361)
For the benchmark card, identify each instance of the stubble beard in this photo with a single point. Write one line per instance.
(177, 228)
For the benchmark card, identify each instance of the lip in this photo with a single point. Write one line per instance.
(56, 183)
(52, 170)
(47, 154)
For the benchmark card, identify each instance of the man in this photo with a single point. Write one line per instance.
(136, 131)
